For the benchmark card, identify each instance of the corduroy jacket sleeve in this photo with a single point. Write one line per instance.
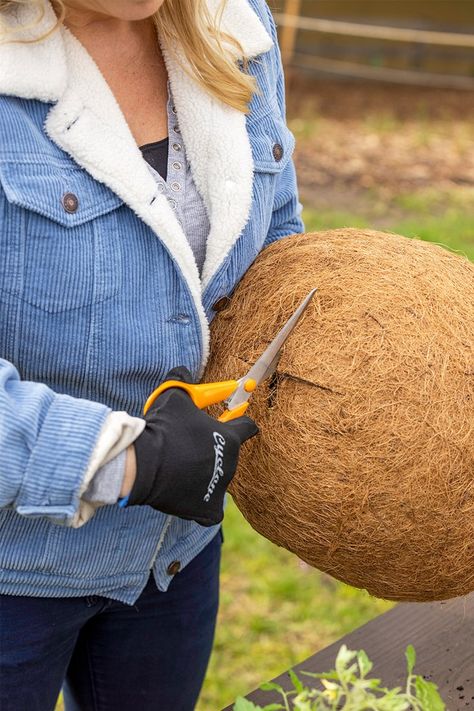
(46, 441)
(286, 216)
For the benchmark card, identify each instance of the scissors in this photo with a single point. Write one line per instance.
(236, 393)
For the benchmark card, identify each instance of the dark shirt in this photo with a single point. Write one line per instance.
(156, 154)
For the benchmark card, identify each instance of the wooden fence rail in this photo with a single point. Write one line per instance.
(394, 76)
(290, 22)
(354, 29)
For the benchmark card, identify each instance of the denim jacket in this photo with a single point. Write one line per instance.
(100, 294)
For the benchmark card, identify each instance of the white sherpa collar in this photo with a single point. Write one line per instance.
(87, 123)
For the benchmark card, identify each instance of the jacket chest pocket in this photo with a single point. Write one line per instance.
(271, 139)
(57, 237)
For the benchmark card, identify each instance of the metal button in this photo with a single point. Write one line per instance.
(160, 187)
(176, 147)
(175, 186)
(277, 152)
(70, 202)
(177, 165)
(173, 109)
(221, 303)
(176, 129)
(173, 203)
(174, 567)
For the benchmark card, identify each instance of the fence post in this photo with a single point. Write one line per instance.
(292, 8)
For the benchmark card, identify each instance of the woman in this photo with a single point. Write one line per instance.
(144, 163)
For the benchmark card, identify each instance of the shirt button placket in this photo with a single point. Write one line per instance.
(177, 176)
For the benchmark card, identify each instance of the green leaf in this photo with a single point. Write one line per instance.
(304, 705)
(271, 686)
(365, 665)
(410, 654)
(296, 682)
(273, 707)
(373, 684)
(245, 705)
(393, 703)
(427, 695)
(344, 657)
(344, 668)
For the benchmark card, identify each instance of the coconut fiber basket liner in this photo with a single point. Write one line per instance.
(364, 465)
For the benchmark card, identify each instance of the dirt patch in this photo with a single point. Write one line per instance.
(352, 138)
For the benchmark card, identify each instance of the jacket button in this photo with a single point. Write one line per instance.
(70, 202)
(174, 567)
(277, 152)
(221, 304)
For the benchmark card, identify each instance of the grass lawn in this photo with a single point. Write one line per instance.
(443, 217)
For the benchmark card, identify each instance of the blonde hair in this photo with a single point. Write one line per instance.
(190, 25)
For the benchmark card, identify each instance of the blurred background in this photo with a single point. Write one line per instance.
(380, 97)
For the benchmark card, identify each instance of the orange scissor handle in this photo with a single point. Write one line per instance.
(202, 394)
(228, 415)
(205, 394)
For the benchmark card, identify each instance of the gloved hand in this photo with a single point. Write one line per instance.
(185, 458)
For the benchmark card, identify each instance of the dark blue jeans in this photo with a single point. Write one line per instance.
(110, 656)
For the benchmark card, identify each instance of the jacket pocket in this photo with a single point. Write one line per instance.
(57, 237)
(272, 143)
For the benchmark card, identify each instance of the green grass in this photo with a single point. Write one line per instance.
(332, 219)
(443, 218)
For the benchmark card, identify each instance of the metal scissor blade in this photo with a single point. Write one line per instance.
(272, 367)
(268, 361)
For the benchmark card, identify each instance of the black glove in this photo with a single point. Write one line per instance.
(185, 458)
